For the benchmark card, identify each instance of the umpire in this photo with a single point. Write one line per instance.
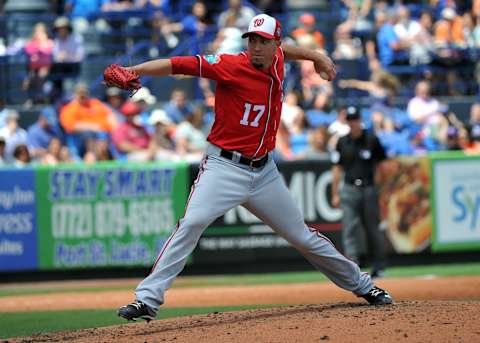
(358, 155)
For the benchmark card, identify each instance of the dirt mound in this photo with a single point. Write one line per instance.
(406, 321)
(447, 288)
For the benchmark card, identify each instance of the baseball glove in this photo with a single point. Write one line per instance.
(117, 76)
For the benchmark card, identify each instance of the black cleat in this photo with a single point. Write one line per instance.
(136, 310)
(377, 296)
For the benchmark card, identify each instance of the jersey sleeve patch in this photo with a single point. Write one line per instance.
(212, 59)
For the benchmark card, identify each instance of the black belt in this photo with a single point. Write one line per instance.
(244, 160)
(360, 182)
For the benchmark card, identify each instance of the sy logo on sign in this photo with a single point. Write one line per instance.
(258, 22)
(468, 206)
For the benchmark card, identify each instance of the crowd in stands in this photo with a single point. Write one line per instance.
(75, 125)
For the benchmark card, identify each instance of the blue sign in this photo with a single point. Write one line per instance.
(18, 222)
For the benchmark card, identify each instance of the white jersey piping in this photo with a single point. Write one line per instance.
(269, 109)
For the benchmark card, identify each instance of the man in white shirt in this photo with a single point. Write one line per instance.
(12, 134)
(406, 28)
(422, 108)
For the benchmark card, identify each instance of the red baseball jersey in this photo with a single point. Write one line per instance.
(248, 101)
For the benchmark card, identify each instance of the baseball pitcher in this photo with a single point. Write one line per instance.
(237, 168)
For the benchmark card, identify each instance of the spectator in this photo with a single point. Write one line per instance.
(473, 130)
(391, 49)
(114, 101)
(428, 113)
(56, 153)
(473, 143)
(130, 137)
(39, 51)
(476, 8)
(474, 119)
(85, 118)
(469, 30)
(237, 15)
(86, 114)
(163, 40)
(455, 86)
(83, 8)
(406, 28)
(3, 113)
(189, 138)
(422, 47)
(42, 132)
(144, 100)
(449, 30)
(476, 32)
(358, 12)
(346, 46)
(209, 102)
(162, 144)
(227, 41)
(318, 145)
(194, 25)
(382, 88)
(290, 109)
(339, 127)
(307, 28)
(424, 109)
(98, 150)
(13, 134)
(68, 53)
(67, 46)
(371, 42)
(21, 156)
(2, 151)
(299, 136)
(312, 85)
(453, 142)
(319, 114)
(81, 11)
(395, 143)
(178, 109)
(283, 150)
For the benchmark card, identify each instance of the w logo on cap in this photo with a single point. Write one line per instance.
(258, 22)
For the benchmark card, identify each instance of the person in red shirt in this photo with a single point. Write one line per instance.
(130, 137)
(237, 168)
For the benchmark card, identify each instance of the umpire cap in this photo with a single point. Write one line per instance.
(353, 113)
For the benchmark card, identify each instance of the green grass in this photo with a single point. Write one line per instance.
(262, 279)
(18, 324)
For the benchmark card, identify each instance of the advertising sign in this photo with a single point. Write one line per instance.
(107, 214)
(456, 201)
(18, 233)
(404, 197)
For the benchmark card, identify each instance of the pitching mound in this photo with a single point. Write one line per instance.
(405, 321)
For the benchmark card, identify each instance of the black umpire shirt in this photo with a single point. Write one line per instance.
(359, 157)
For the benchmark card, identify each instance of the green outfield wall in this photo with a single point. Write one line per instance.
(121, 214)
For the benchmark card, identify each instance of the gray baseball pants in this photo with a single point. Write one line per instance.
(360, 209)
(223, 184)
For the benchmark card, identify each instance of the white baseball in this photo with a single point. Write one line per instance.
(324, 75)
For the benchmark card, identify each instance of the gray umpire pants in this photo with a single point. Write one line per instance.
(360, 209)
(223, 184)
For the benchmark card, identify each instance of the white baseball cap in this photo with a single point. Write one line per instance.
(265, 26)
(159, 116)
(143, 94)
